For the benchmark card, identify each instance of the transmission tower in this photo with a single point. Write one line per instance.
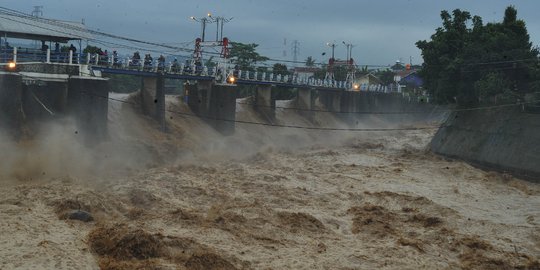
(284, 47)
(38, 11)
(295, 50)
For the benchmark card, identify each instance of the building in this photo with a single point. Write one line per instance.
(48, 31)
(408, 78)
(369, 82)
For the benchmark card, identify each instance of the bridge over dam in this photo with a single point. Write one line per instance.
(46, 83)
(34, 91)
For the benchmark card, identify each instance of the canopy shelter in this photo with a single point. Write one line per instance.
(21, 26)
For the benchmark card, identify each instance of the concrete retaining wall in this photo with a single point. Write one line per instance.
(503, 139)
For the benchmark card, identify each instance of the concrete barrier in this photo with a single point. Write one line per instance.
(505, 139)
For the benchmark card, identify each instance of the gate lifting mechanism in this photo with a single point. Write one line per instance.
(222, 71)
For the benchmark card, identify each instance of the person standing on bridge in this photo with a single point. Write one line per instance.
(105, 57)
(115, 59)
(148, 62)
(161, 63)
(136, 59)
(174, 66)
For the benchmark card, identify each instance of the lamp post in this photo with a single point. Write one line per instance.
(203, 21)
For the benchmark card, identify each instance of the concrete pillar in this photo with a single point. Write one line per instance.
(305, 102)
(216, 104)
(87, 101)
(204, 89)
(222, 109)
(264, 103)
(335, 100)
(349, 106)
(11, 113)
(191, 97)
(153, 99)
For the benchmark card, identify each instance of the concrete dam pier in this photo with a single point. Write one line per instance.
(39, 94)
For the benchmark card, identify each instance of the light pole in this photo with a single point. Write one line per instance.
(203, 21)
(351, 73)
(330, 69)
(219, 27)
(333, 46)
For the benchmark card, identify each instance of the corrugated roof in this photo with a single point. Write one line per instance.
(28, 27)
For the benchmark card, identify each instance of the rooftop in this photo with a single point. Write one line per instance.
(22, 26)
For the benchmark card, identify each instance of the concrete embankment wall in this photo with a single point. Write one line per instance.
(506, 139)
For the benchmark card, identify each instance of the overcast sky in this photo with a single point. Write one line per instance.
(382, 31)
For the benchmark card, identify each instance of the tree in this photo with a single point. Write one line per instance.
(245, 55)
(386, 77)
(92, 50)
(362, 71)
(493, 85)
(280, 69)
(459, 60)
(310, 62)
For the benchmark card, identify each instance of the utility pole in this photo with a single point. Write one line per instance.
(295, 50)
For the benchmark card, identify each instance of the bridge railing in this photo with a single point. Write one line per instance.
(154, 65)
(26, 55)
